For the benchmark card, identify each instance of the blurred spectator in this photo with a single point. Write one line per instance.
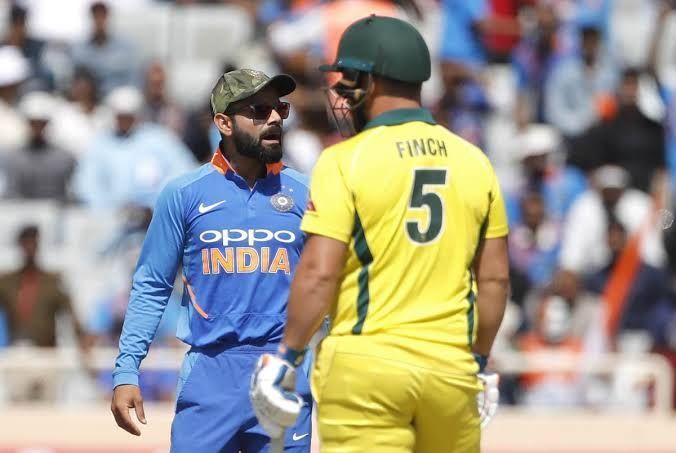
(629, 139)
(470, 29)
(31, 48)
(648, 294)
(133, 163)
(670, 101)
(312, 31)
(114, 60)
(662, 65)
(269, 11)
(635, 141)
(107, 313)
(533, 61)
(106, 326)
(159, 108)
(200, 134)
(39, 170)
(463, 24)
(534, 243)
(580, 86)
(304, 143)
(500, 43)
(542, 172)
(197, 133)
(463, 108)
(664, 51)
(76, 121)
(584, 249)
(552, 333)
(31, 298)
(14, 70)
(632, 23)
(464, 105)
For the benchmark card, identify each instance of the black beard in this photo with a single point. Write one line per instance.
(250, 146)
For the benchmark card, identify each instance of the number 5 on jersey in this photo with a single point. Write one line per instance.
(422, 197)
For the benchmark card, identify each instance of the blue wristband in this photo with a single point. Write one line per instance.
(481, 360)
(293, 356)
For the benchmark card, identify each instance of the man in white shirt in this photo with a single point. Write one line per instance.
(14, 70)
(584, 248)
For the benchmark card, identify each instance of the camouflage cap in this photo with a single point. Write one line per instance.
(239, 84)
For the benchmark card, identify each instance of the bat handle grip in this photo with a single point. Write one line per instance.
(277, 444)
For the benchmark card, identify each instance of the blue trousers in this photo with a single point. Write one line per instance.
(213, 412)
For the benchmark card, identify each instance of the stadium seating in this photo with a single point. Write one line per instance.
(210, 32)
(191, 81)
(150, 29)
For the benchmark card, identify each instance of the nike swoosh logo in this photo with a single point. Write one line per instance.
(202, 209)
(297, 437)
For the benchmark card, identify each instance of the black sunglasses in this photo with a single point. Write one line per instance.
(262, 112)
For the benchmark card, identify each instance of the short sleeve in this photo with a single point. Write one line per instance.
(330, 209)
(497, 215)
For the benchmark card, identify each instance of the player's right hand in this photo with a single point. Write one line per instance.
(488, 399)
(126, 397)
(272, 394)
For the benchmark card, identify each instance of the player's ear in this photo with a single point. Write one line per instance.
(224, 124)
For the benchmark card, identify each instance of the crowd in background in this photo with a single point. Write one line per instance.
(574, 101)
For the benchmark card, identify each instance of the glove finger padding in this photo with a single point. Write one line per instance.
(275, 403)
(488, 399)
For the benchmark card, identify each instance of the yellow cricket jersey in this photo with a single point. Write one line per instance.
(412, 201)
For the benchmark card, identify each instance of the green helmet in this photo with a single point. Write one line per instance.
(383, 46)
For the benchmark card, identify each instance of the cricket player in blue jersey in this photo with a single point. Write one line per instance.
(234, 225)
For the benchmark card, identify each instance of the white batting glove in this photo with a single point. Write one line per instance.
(488, 399)
(272, 394)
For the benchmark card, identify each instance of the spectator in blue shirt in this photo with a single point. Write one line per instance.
(132, 164)
(461, 40)
(578, 86)
(534, 58)
(534, 242)
(113, 60)
(464, 103)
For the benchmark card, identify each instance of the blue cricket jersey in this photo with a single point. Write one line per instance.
(239, 248)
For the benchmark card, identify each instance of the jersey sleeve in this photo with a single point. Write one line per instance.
(496, 225)
(330, 209)
(152, 285)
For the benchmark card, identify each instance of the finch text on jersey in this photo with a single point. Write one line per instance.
(421, 147)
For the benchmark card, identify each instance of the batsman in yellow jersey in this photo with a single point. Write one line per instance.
(407, 253)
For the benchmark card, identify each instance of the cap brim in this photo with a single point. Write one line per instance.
(329, 68)
(283, 83)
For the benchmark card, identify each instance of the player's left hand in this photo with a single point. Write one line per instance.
(488, 399)
(272, 394)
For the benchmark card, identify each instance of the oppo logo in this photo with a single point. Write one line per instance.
(249, 237)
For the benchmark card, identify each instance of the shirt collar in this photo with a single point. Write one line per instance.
(400, 116)
(223, 166)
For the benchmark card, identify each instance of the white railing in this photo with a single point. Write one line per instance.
(651, 369)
